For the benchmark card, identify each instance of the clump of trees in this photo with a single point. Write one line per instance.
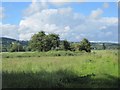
(16, 47)
(85, 45)
(65, 45)
(43, 42)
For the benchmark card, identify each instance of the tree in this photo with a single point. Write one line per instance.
(65, 45)
(104, 47)
(43, 42)
(37, 41)
(16, 47)
(55, 41)
(85, 45)
(46, 43)
(72, 47)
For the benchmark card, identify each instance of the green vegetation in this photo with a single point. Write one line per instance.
(65, 45)
(47, 61)
(16, 47)
(6, 44)
(43, 42)
(39, 54)
(85, 45)
(74, 46)
(98, 69)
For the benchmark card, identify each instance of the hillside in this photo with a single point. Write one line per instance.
(6, 42)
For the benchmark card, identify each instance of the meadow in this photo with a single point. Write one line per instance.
(60, 69)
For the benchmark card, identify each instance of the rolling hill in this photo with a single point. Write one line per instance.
(6, 42)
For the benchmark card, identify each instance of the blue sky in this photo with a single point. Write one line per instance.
(14, 10)
(66, 19)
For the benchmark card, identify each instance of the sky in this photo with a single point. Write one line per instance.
(73, 21)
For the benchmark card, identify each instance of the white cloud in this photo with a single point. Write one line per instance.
(35, 7)
(65, 22)
(96, 13)
(23, 36)
(68, 24)
(10, 31)
(67, 28)
(49, 20)
(102, 27)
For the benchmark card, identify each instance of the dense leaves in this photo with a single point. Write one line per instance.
(65, 45)
(85, 45)
(16, 47)
(43, 42)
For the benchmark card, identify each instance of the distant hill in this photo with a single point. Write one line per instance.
(6, 42)
(108, 45)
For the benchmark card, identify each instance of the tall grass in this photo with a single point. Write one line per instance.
(93, 70)
(38, 54)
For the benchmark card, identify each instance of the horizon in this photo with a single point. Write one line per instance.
(73, 21)
(71, 41)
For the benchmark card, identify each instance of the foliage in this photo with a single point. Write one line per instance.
(74, 46)
(55, 41)
(43, 42)
(16, 47)
(6, 43)
(85, 45)
(41, 54)
(65, 45)
(104, 47)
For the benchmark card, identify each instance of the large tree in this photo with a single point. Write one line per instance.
(43, 42)
(65, 45)
(55, 40)
(104, 47)
(37, 41)
(85, 45)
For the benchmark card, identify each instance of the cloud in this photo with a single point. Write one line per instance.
(105, 5)
(2, 13)
(50, 20)
(70, 25)
(35, 7)
(10, 31)
(96, 13)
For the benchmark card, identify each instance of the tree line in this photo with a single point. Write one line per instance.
(41, 42)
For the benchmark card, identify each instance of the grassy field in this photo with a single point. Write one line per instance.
(64, 69)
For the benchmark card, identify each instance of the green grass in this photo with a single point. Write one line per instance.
(65, 69)
(39, 54)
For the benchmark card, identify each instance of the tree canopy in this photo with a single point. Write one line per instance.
(65, 45)
(43, 42)
(16, 47)
(85, 45)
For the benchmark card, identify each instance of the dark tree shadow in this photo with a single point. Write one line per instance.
(57, 79)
